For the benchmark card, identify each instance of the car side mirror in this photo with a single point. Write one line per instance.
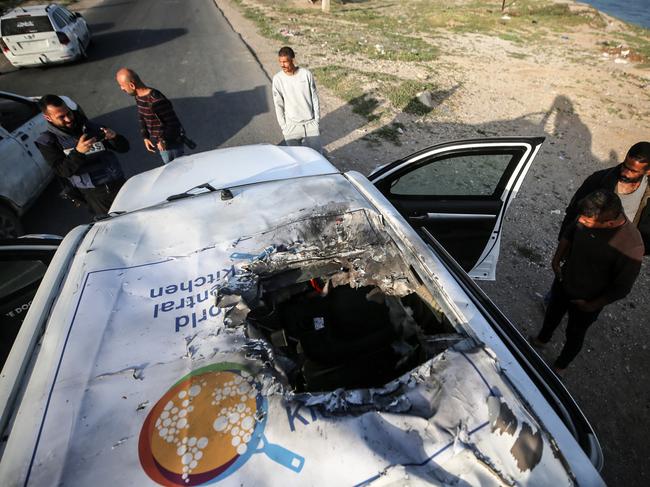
(78, 15)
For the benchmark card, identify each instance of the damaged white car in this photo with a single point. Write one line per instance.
(252, 316)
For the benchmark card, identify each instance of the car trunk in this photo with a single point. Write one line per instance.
(29, 35)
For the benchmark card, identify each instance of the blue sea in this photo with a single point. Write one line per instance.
(636, 11)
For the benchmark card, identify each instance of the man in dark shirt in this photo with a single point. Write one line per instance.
(159, 125)
(82, 154)
(629, 180)
(596, 263)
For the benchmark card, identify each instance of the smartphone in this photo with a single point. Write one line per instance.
(93, 132)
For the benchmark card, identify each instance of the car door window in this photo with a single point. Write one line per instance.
(69, 15)
(15, 113)
(59, 19)
(458, 192)
(19, 281)
(459, 175)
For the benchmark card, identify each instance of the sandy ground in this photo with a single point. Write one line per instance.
(591, 107)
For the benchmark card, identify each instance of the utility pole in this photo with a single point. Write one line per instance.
(325, 4)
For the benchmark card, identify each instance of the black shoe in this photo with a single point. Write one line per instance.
(536, 342)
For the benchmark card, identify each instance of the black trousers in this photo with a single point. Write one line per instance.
(579, 321)
(101, 198)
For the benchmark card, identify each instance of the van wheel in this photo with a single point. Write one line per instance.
(10, 226)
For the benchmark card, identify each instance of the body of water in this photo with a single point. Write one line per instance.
(636, 11)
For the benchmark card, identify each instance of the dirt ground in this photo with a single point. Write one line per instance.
(591, 104)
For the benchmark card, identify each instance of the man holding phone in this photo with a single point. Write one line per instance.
(82, 154)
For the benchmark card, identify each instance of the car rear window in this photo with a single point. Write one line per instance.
(25, 25)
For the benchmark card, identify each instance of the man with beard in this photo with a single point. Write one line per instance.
(629, 180)
(297, 107)
(82, 154)
(596, 263)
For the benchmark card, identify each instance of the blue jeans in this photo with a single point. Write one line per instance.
(172, 152)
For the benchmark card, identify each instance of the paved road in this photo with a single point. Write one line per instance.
(186, 49)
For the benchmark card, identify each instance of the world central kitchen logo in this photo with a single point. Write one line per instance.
(206, 426)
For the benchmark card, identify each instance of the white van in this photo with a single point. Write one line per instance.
(251, 316)
(43, 34)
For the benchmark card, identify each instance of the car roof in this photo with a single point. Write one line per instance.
(221, 168)
(27, 11)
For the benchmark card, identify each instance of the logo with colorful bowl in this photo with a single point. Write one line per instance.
(206, 426)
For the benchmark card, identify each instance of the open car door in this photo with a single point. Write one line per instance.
(459, 192)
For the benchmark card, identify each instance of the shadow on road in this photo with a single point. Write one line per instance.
(118, 43)
(107, 5)
(100, 27)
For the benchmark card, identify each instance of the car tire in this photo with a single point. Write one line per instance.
(10, 226)
(83, 54)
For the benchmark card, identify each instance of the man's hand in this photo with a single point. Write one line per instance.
(561, 252)
(149, 145)
(85, 143)
(161, 145)
(586, 306)
(108, 133)
(556, 264)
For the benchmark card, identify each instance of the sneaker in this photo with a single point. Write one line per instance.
(536, 342)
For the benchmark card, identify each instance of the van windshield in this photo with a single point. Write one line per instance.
(25, 25)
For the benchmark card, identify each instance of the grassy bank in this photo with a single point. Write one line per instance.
(380, 55)
(9, 4)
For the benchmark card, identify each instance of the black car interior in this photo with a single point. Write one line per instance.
(345, 337)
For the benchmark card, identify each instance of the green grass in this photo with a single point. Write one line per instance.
(403, 96)
(264, 22)
(342, 81)
(639, 41)
(407, 32)
(508, 36)
(347, 84)
(518, 55)
(365, 106)
(9, 4)
(391, 133)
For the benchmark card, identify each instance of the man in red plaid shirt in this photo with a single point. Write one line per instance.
(160, 128)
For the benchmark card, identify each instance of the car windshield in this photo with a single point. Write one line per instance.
(25, 25)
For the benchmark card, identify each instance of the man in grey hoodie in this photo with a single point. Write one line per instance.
(296, 102)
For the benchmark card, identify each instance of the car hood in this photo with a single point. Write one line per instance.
(221, 168)
(149, 375)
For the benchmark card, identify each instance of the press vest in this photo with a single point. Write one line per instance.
(101, 165)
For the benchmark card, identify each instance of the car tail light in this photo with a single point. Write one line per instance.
(3, 46)
(63, 39)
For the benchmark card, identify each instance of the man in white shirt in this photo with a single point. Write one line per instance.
(296, 102)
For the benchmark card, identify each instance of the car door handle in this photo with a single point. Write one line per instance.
(450, 216)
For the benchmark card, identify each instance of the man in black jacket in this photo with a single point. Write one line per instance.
(81, 152)
(596, 263)
(629, 180)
